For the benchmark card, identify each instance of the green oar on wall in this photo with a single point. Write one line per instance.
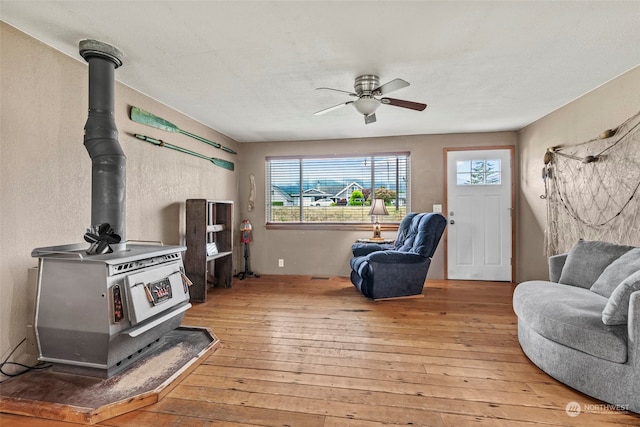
(160, 143)
(146, 118)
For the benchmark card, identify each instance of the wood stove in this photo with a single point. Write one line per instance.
(97, 314)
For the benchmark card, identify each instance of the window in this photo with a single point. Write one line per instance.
(478, 172)
(336, 189)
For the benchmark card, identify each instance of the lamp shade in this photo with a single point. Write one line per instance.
(378, 208)
(366, 105)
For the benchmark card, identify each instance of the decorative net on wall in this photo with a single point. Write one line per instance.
(591, 189)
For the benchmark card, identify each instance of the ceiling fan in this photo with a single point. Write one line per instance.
(369, 92)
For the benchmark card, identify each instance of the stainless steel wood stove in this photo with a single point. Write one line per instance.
(97, 314)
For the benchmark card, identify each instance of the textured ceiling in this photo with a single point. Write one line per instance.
(250, 69)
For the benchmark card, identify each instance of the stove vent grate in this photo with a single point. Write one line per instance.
(126, 267)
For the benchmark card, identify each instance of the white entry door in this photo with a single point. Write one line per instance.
(479, 210)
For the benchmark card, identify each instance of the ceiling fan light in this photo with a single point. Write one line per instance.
(366, 105)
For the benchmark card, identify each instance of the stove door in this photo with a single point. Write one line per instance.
(154, 290)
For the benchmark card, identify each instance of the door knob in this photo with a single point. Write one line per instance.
(452, 222)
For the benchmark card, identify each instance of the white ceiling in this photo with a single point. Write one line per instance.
(249, 69)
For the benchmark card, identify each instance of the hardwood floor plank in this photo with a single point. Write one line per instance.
(399, 386)
(241, 390)
(316, 359)
(11, 420)
(151, 419)
(341, 422)
(369, 411)
(144, 418)
(382, 352)
(236, 412)
(450, 330)
(381, 398)
(368, 372)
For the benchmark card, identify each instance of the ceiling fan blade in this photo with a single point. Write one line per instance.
(404, 104)
(394, 84)
(335, 107)
(371, 118)
(337, 90)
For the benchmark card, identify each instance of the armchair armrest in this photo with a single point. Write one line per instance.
(395, 257)
(362, 249)
(556, 264)
(633, 329)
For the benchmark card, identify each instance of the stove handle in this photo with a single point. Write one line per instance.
(152, 324)
(42, 253)
(157, 242)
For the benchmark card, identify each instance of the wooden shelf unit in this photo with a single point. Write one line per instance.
(208, 221)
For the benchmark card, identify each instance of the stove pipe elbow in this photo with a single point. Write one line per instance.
(108, 174)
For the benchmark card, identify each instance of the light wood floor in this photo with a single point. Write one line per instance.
(302, 351)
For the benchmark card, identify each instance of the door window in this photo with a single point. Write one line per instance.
(478, 172)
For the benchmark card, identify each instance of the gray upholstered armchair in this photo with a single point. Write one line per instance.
(399, 269)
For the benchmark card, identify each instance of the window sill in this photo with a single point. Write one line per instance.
(328, 226)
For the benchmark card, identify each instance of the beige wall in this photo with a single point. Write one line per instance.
(321, 252)
(585, 118)
(46, 171)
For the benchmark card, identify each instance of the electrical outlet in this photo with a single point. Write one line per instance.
(280, 262)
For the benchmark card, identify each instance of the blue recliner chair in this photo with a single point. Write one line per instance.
(381, 271)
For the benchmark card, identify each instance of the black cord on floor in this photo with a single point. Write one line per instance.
(27, 368)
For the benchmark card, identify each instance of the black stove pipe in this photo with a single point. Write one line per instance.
(108, 174)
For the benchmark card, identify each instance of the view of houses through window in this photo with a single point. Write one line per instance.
(336, 189)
